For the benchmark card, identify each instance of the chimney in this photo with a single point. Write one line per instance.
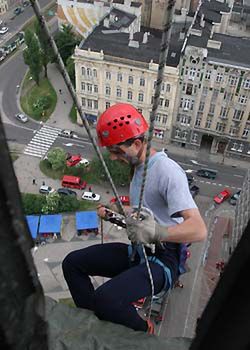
(212, 32)
(145, 38)
(131, 35)
(106, 22)
(202, 22)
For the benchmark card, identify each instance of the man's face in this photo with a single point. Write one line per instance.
(122, 152)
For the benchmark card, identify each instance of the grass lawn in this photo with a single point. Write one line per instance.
(73, 114)
(32, 93)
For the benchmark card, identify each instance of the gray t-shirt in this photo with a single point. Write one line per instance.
(166, 191)
(166, 194)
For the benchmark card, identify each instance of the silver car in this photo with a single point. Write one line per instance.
(22, 117)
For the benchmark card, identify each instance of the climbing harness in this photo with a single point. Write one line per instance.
(166, 34)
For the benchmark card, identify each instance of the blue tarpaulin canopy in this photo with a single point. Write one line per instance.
(86, 220)
(50, 223)
(33, 221)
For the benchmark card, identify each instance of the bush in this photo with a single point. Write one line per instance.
(68, 203)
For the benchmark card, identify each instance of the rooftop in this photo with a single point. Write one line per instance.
(116, 44)
(121, 19)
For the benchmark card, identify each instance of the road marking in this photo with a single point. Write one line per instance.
(214, 183)
(220, 185)
(208, 182)
(238, 175)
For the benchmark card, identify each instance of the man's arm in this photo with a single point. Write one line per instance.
(192, 229)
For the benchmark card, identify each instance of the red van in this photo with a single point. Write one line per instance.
(73, 182)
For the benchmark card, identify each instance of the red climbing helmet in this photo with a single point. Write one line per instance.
(120, 123)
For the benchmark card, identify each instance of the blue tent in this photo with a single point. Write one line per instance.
(50, 223)
(86, 220)
(33, 221)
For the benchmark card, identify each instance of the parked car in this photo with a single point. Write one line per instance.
(194, 190)
(22, 117)
(222, 196)
(66, 192)
(208, 173)
(234, 198)
(46, 189)
(90, 196)
(4, 30)
(66, 133)
(124, 199)
(84, 162)
(73, 160)
(18, 10)
(190, 178)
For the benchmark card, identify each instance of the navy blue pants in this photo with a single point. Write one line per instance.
(112, 301)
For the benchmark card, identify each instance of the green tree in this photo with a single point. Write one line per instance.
(32, 55)
(70, 66)
(46, 50)
(68, 204)
(66, 41)
(57, 158)
(51, 206)
(32, 203)
(120, 172)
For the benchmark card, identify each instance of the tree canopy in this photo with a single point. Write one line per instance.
(32, 55)
(66, 41)
(45, 49)
(57, 158)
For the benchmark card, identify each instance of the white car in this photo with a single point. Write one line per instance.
(84, 162)
(46, 189)
(4, 30)
(66, 133)
(22, 117)
(90, 196)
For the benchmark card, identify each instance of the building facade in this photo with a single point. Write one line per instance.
(102, 81)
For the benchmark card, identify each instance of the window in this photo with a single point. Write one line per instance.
(108, 91)
(233, 130)
(192, 73)
(119, 77)
(155, 84)
(238, 114)
(158, 118)
(95, 88)
(83, 101)
(224, 112)
(83, 70)
(242, 99)
(161, 102)
(201, 106)
(168, 87)
(118, 92)
(162, 86)
(205, 91)
(211, 108)
(220, 127)
(95, 104)
(189, 89)
(95, 73)
(89, 88)
(232, 80)
(184, 119)
(130, 79)
(208, 74)
(164, 119)
(246, 83)
(177, 133)
(140, 97)
(89, 73)
(107, 105)
(130, 95)
(245, 132)
(208, 124)
(234, 147)
(194, 138)
(166, 103)
(240, 148)
(219, 77)
(184, 87)
(152, 100)
(142, 82)
(215, 93)
(108, 75)
(83, 86)
(89, 104)
(184, 135)
(198, 122)
(228, 96)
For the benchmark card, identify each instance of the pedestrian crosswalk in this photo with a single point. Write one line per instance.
(42, 141)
